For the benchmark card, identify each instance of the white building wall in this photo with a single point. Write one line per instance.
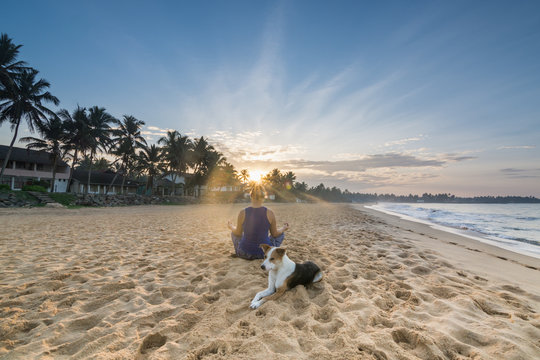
(60, 185)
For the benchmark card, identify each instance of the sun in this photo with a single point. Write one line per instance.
(256, 175)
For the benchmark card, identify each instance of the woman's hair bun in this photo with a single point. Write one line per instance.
(257, 192)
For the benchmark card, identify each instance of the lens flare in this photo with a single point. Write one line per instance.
(256, 175)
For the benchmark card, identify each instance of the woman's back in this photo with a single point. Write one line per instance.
(256, 227)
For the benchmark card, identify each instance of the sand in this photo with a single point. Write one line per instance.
(158, 282)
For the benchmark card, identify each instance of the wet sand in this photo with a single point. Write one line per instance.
(158, 282)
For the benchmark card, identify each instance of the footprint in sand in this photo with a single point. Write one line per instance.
(299, 324)
(513, 289)
(403, 294)
(260, 312)
(476, 277)
(380, 320)
(85, 323)
(219, 348)
(406, 338)
(420, 270)
(246, 329)
(211, 298)
(324, 330)
(442, 292)
(185, 320)
(197, 279)
(489, 307)
(324, 314)
(151, 342)
(371, 353)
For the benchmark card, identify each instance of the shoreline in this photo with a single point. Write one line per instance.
(472, 254)
(471, 234)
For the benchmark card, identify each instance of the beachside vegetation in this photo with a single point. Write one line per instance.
(22, 94)
(36, 188)
(53, 133)
(65, 199)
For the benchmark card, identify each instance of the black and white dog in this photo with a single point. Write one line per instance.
(284, 274)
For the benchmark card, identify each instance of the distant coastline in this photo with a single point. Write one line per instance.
(336, 195)
(445, 198)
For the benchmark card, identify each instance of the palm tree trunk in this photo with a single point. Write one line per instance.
(173, 184)
(114, 179)
(89, 172)
(124, 176)
(123, 181)
(54, 173)
(112, 182)
(9, 151)
(148, 183)
(71, 170)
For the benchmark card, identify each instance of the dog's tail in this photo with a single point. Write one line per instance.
(318, 277)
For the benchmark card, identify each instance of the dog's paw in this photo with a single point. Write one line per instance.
(257, 298)
(255, 304)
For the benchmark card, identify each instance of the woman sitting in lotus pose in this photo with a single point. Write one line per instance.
(252, 228)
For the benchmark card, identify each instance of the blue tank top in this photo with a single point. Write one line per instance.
(256, 227)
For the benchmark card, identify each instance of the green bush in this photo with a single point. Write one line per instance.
(63, 198)
(4, 187)
(34, 188)
(45, 183)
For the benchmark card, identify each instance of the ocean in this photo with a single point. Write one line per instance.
(514, 227)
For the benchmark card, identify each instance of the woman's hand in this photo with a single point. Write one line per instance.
(230, 225)
(285, 227)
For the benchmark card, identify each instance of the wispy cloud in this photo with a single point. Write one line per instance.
(517, 147)
(153, 133)
(374, 170)
(403, 141)
(247, 146)
(520, 173)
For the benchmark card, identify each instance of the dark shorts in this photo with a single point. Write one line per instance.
(275, 241)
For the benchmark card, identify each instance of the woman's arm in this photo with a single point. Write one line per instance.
(237, 230)
(274, 231)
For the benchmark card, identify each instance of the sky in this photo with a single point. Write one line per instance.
(370, 96)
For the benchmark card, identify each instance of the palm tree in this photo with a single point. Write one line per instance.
(176, 154)
(24, 99)
(100, 129)
(78, 135)
(244, 176)
(98, 164)
(204, 160)
(127, 140)
(201, 148)
(274, 179)
(301, 187)
(53, 133)
(149, 162)
(9, 66)
(288, 180)
(224, 175)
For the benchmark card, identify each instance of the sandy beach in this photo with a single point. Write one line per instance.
(158, 282)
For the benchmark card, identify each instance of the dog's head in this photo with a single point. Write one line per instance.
(273, 257)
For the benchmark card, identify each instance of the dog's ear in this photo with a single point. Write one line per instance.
(280, 252)
(265, 247)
